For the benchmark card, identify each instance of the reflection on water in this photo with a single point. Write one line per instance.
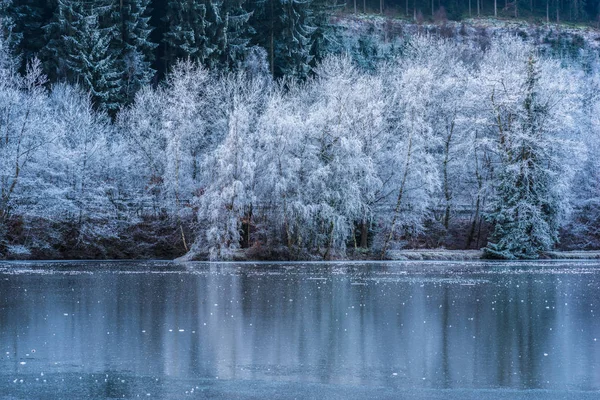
(120, 330)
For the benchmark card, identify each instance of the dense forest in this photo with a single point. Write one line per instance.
(114, 47)
(261, 130)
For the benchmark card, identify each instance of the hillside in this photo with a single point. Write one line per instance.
(563, 39)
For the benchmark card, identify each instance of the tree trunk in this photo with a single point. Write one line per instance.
(476, 217)
(364, 234)
(447, 191)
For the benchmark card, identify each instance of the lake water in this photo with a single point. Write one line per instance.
(405, 330)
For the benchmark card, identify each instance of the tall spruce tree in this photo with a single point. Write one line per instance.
(284, 28)
(527, 207)
(28, 17)
(133, 48)
(186, 32)
(323, 36)
(216, 35)
(78, 50)
(229, 33)
(239, 33)
(53, 54)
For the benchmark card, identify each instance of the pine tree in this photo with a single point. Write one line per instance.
(284, 28)
(294, 49)
(28, 17)
(78, 50)
(527, 207)
(322, 38)
(10, 35)
(133, 48)
(239, 32)
(216, 35)
(230, 34)
(186, 35)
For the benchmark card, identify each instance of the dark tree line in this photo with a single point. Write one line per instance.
(112, 48)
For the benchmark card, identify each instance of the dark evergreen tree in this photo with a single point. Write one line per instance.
(133, 49)
(92, 65)
(527, 207)
(323, 37)
(216, 36)
(186, 31)
(11, 36)
(54, 53)
(79, 51)
(28, 17)
(233, 45)
(284, 28)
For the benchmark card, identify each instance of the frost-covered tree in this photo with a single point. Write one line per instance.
(140, 126)
(583, 229)
(227, 199)
(76, 190)
(531, 104)
(347, 133)
(281, 155)
(414, 175)
(184, 129)
(25, 133)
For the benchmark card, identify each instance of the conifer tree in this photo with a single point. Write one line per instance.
(186, 32)
(230, 34)
(53, 54)
(133, 47)
(284, 28)
(28, 18)
(322, 38)
(78, 51)
(91, 64)
(527, 209)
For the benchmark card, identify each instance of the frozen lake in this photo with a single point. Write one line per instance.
(406, 330)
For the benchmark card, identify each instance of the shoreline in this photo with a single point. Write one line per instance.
(392, 256)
